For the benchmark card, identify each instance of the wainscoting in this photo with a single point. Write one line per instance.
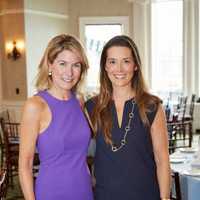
(14, 108)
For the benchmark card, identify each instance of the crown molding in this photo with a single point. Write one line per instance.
(47, 14)
(33, 12)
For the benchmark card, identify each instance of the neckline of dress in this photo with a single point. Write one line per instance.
(57, 99)
(126, 101)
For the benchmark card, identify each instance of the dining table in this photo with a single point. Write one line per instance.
(186, 162)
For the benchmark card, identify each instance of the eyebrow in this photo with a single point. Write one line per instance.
(122, 58)
(61, 61)
(127, 58)
(111, 58)
(67, 61)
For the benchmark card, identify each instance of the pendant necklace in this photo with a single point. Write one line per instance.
(123, 141)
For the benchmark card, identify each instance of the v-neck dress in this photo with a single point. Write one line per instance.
(62, 149)
(129, 173)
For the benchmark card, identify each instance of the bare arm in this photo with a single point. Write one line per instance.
(159, 136)
(28, 135)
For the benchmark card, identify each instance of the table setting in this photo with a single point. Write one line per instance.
(186, 161)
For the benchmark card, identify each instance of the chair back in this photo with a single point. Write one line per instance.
(4, 138)
(191, 109)
(181, 107)
(12, 129)
(3, 178)
(10, 151)
(9, 135)
(3, 183)
(171, 139)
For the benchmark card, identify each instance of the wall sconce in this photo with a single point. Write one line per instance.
(14, 49)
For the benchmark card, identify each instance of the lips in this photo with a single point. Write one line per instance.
(119, 76)
(67, 79)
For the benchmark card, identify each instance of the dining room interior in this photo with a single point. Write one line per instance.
(167, 33)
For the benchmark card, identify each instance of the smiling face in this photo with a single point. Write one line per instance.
(120, 66)
(66, 70)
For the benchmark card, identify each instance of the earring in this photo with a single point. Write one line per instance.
(50, 73)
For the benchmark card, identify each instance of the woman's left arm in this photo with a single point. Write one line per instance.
(159, 135)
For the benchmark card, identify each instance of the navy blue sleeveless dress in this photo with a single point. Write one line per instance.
(129, 173)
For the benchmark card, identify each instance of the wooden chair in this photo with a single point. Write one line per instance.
(10, 151)
(185, 125)
(6, 116)
(175, 139)
(3, 184)
(176, 195)
(2, 148)
(12, 129)
(3, 181)
(188, 118)
(172, 140)
(179, 116)
(36, 165)
(181, 108)
(178, 128)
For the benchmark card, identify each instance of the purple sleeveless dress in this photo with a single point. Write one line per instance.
(62, 148)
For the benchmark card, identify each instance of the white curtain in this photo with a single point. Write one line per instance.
(142, 37)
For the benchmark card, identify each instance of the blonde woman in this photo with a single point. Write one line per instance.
(53, 122)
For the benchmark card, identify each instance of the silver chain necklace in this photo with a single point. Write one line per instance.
(115, 148)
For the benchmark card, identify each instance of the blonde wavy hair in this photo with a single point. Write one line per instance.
(56, 46)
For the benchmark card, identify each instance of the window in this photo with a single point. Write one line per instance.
(167, 47)
(96, 37)
(95, 32)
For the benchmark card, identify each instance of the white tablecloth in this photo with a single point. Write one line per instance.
(190, 185)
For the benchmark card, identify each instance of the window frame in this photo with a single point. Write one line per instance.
(83, 21)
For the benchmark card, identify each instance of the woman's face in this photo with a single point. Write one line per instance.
(120, 66)
(66, 70)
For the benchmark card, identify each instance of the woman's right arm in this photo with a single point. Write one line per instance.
(30, 126)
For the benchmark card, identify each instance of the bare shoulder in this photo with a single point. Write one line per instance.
(160, 120)
(34, 105)
(160, 111)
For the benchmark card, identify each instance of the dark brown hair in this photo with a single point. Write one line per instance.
(101, 115)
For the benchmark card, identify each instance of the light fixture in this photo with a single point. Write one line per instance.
(14, 49)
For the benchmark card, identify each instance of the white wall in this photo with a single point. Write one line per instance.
(98, 8)
(40, 26)
(54, 6)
